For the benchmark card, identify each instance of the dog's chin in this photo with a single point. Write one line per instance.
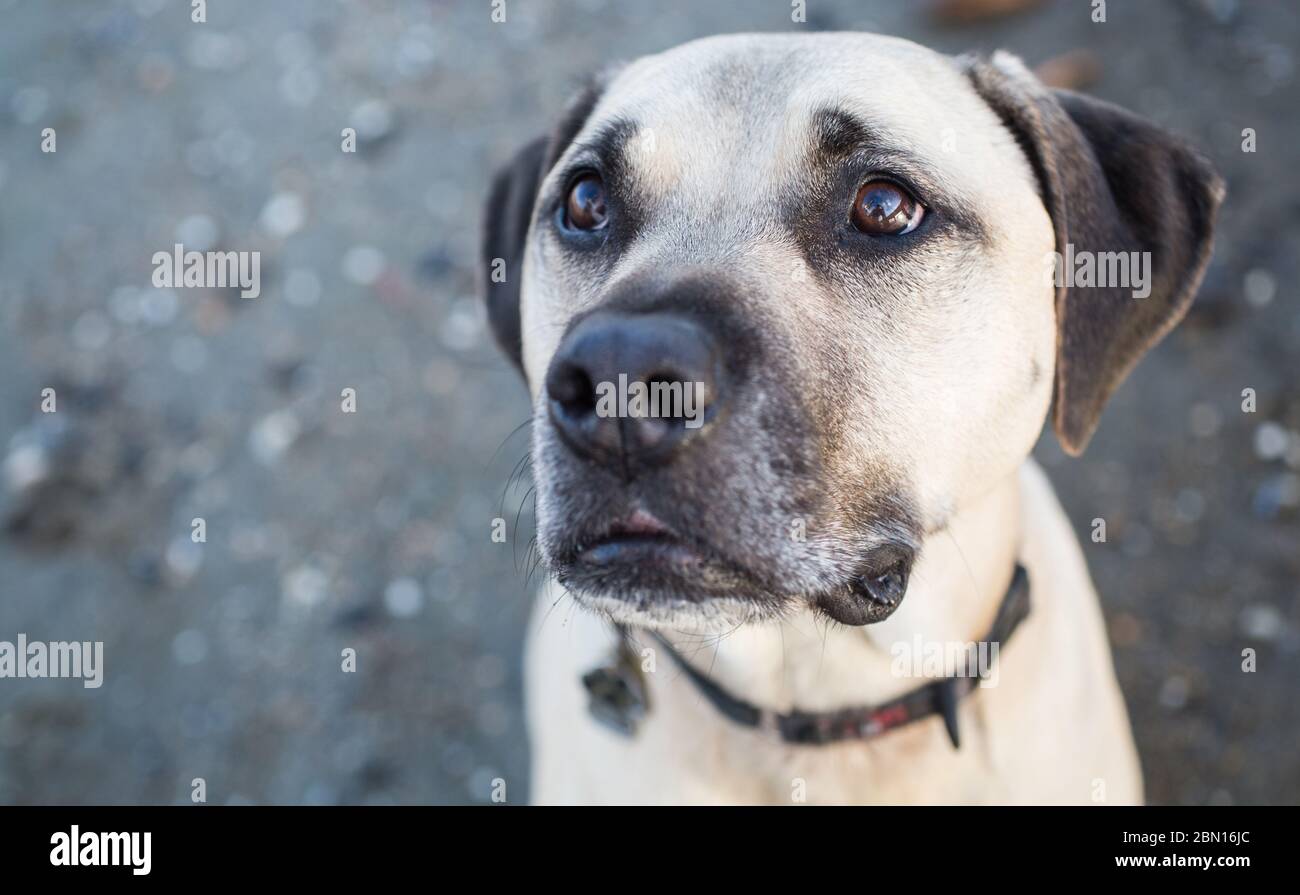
(669, 612)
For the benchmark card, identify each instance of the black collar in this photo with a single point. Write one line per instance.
(618, 692)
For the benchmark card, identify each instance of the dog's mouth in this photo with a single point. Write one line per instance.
(637, 564)
(640, 539)
(639, 559)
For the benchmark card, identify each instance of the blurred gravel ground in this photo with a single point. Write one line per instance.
(371, 530)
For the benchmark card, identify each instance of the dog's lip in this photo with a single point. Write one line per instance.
(639, 523)
(640, 550)
(639, 536)
(640, 560)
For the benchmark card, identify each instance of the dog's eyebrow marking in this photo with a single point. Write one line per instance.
(837, 133)
(837, 136)
(609, 144)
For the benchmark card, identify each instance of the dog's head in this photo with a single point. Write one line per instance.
(825, 266)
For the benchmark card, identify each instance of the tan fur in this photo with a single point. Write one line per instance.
(947, 383)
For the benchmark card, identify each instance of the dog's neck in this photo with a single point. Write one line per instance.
(805, 662)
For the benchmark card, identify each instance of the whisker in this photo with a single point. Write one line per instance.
(513, 433)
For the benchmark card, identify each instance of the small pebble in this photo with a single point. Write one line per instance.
(373, 120)
(198, 233)
(304, 586)
(403, 598)
(274, 434)
(1261, 621)
(1271, 441)
(1173, 692)
(25, 466)
(1205, 420)
(182, 559)
(283, 215)
(363, 264)
(1260, 287)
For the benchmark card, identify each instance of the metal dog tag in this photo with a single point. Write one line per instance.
(616, 693)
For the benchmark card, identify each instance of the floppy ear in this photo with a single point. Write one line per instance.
(509, 213)
(506, 217)
(1112, 183)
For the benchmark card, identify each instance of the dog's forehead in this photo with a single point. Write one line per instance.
(711, 108)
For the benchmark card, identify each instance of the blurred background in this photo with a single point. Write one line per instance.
(371, 530)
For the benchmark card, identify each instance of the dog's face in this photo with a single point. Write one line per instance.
(839, 245)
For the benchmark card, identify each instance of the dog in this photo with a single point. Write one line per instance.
(845, 243)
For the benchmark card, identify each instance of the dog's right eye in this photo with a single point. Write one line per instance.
(585, 207)
(883, 208)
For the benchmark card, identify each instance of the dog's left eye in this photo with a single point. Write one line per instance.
(883, 208)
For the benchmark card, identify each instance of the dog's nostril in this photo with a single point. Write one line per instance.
(572, 388)
(665, 388)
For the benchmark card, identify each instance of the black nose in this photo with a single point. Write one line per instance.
(631, 389)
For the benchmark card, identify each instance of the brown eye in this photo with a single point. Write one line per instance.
(883, 208)
(585, 207)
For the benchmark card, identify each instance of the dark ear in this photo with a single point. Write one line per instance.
(506, 217)
(509, 213)
(1112, 183)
